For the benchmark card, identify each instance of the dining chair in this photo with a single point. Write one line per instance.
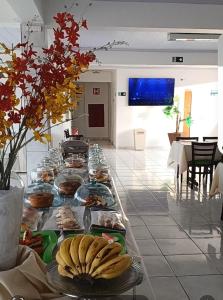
(74, 147)
(68, 135)
(202, 163)
(210, 138)
(187, 138)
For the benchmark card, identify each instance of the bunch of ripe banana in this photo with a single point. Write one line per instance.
(87, 255)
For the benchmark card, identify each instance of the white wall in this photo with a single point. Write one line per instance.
(155, 58)
(113, 108)
(96, 76)
(204, 106)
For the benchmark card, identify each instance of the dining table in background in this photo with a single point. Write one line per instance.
(180, 154)
(217, 183)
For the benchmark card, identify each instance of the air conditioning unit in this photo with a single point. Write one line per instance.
(192, 36)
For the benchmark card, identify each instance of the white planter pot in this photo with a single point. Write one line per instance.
(11, 204)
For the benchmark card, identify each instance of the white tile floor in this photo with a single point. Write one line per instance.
(178, 231)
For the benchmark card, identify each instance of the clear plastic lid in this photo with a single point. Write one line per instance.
(68, 182)
(94, 195)
(98, 165)
(99, 172)
(40, 195)
(43, 174)
(56, 156)
(99, 175)
(108, 219)
(74, 162)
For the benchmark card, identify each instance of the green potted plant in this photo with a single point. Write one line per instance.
(172, 111)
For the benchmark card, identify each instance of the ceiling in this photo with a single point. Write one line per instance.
(140, 40)
(220, 2)
(10, 35)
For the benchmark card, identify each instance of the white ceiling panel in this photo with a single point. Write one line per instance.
(219, 2)
(7, 14)
(142, 40)
(10, 35)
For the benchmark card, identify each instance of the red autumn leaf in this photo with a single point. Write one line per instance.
(58, 34)
(60, 19)
(84, 24)
(30, 78)
(14, 117)
(20, 45)
(20, 64)
(38, 79)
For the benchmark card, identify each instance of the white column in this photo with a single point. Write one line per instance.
(220, 94)
(34, 151)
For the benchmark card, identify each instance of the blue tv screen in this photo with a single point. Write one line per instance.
(151, 91)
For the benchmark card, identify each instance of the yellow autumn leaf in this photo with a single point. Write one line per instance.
(47, 137)
(37, 136)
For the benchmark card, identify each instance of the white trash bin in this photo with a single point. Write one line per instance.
(139, 138)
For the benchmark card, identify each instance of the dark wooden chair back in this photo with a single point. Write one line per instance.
(203, 152)
(76, 137)
(66, 133)
(210, 138)
(187, 138)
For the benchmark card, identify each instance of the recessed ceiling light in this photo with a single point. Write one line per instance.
(192, 36)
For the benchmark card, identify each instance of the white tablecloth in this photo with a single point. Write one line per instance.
(217, 183)
(181, 153)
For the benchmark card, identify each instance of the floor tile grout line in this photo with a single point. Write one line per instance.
(169, 213)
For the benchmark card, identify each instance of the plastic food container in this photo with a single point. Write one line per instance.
(40, 195)
(67, 183)
(99, 175)
(74, 162)
(48, 162)
(94, 195)
(43, 174)
(65, 218)
(110, 220)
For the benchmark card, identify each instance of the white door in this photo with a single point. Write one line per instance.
(94, 103)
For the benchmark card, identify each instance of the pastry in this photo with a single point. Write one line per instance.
(95, 200)
(75, 164)
(65, 219)
(41, 199)
(30, 218)
(110, 220)
(68, 188)
(46, 176)
(100, 176)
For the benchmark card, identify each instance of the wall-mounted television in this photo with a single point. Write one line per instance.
(151, 91)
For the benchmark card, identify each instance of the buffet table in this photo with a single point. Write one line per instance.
(32, 279)
(180, 154)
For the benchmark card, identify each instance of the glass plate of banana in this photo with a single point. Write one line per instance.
(89, 266)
